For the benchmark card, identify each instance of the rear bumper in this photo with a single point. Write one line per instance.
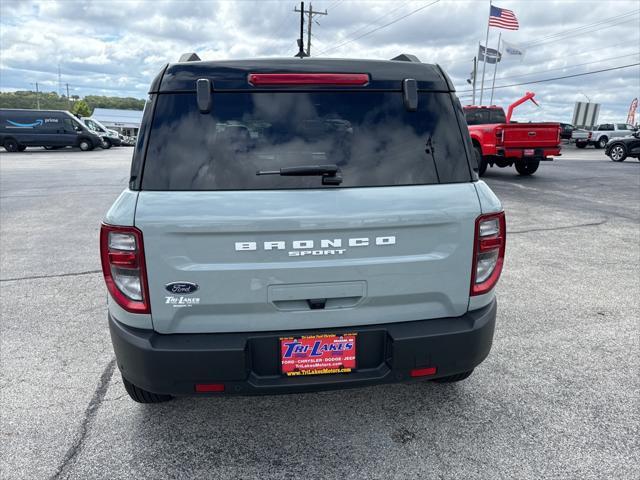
(249, 363)
(538, 153)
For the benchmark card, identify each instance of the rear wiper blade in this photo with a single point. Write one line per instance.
(330, 173)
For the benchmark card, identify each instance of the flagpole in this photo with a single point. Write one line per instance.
(484, 66)
(495, 68)
(475, 69)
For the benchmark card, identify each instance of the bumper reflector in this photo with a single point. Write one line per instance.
(209, 387)
(423, 372)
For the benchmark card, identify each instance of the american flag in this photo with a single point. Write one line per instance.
(503, 18)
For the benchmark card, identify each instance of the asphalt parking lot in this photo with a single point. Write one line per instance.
(558, 396)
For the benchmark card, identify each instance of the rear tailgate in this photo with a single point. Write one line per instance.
(391, 242)
(530, 135)
(373, 255)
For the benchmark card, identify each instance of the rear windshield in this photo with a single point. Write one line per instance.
(370, 136)
(484, 116)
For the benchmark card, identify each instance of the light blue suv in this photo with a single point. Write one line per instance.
(295, 225)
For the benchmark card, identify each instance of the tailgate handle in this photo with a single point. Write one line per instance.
(532, 134)
(317, 296)
(317, 303)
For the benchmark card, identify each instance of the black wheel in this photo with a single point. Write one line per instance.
(139, 395)
(454, 378)
(602, 142)
(85, 145)
(527, 168)
(22, 148)
(106, 143)
(618, 153)
(10, 145)
(482, 163)
(581, 144)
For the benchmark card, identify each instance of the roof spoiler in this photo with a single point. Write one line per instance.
(189, 57)
(406, 57)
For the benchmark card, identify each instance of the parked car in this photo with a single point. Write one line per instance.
(20, 129)
(619, 149)
(580, 137)
(566, 129)
(278, 263)
(500, 142)
(601, 134)
(109, 137)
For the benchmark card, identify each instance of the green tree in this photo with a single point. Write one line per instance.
(53, 101)
(81, 109)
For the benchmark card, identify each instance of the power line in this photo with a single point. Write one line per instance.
(381, 27)
(569, 66)
(571, 30)
(358, 30)
(589, 52)
(582, 33)
(559, 78)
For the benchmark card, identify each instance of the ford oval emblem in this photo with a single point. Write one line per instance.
(181, 287)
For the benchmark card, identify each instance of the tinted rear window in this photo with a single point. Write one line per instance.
(370, 136)
(484, 116)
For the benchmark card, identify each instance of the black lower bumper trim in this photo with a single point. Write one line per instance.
(249, 363)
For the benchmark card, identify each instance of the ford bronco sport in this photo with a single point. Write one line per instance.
(297, 225)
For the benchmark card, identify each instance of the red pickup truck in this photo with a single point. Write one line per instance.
(499, 142)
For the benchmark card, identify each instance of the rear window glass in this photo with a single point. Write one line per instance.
(484, 116)
(370, 136)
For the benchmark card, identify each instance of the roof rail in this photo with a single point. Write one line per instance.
(407, 57)
(189, 57)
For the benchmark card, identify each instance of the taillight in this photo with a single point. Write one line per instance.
(290, 79)
(589, 135)
(122, 255)
(488, 252)
(499, 135)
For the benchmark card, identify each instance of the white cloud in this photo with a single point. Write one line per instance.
(117, 47)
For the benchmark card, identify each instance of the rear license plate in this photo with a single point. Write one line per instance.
(529, 152)
(318, 354)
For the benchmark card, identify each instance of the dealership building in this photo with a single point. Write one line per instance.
(126, 122)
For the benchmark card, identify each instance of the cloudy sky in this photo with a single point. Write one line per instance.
(116, 47)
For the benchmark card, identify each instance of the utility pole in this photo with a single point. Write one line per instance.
(68, 98)
(310, 14)
(301, 53)
(37, 97)
(59, 81)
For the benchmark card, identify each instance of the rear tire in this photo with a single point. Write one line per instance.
(527, 168)
(602, 142)
(581, 144)
(85, 145)
(139, 395)
(618, 153)
(22, 148)
(106, 143)
(458, 377)
(10, 145)
(482, 163)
